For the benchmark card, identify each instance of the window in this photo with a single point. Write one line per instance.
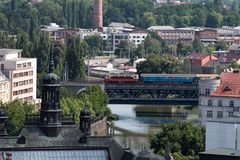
(30, 81)
(200, 101)
(209, 102)
(24, 65)
(209, 114)
(31, 73)
(15, 75)
(230, 114)
(29, 64)
(19, 65)
(219, 103)
(219, 114)
(200, 114)
(231, 104)
(207, 91)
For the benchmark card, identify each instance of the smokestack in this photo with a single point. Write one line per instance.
(97, 17)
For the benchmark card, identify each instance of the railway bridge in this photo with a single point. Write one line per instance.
(143, 93)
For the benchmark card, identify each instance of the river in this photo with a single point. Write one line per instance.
(137, 122)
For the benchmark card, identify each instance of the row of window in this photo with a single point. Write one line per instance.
(23, 74)
(21, 83)
(231, 103)
(219, 114)
(177, 32)
(24, 65)
(23, 91)
(3, 86)
(27, 98)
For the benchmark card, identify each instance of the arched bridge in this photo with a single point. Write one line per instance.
(142, 93)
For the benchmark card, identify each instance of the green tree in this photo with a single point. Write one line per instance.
(197, 45)
(16, 112)
(160, 64)
(95, 44)
(75, 58)
(185, 138)
(221, 45)
(214, 19)
(23, 43)
(97, 99)
(43, 53)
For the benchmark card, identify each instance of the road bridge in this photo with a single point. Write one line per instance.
(142, 93)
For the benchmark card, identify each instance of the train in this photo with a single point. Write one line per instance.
(157, 78)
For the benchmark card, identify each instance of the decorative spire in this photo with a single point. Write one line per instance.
(51, 63)
(3, 119)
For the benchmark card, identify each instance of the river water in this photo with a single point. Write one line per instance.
(137, 122)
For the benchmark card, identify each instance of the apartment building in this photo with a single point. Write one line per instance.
(220, 99)
(21, 73)
(173, 35)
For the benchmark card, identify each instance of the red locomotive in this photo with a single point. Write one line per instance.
(120, 79)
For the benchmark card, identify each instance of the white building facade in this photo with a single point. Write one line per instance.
(223, 134)
(4, 88)
(22, 73)
(219, 98)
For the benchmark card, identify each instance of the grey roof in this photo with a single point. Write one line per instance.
(68, 138)
(223, 152)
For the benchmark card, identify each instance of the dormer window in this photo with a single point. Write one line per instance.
(231, 104)
(226, 89)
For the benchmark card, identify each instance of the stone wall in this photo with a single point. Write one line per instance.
(99, 127)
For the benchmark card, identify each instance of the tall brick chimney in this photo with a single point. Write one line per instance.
(97, 15)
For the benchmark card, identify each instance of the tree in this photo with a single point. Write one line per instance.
(221, 45)
(16, 112)
(184, 138)
(95, 43)
(97, 100)
(197, 45)
(75, 59)
(160, 64)
(23, 43)
(43, 53)
(214, 19)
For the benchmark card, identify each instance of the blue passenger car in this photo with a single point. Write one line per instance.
(167, 78)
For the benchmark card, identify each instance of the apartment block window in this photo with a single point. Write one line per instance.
(30, 73)
(209, 114)
(230, 114)
(209, 102)
(219, 103)
(231, 104)
(19, 66)
(219, 114)
(29, 64)
(207, 91)
(24, 65)
(30, 81)
(15, 75)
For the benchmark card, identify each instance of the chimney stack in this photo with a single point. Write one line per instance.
(97, 17)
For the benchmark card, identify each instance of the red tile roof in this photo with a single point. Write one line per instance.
(196, 56)
(229, 86)
(199, 56)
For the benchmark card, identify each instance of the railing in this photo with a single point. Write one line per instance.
(32, 118)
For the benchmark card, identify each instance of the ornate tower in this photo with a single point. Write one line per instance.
(3, 119)
(97, 14)
(85, 121)
(50, 113)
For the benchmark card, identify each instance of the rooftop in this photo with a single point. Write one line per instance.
(229, 85)
(161, 28)
(9, 51)
(223, 152)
